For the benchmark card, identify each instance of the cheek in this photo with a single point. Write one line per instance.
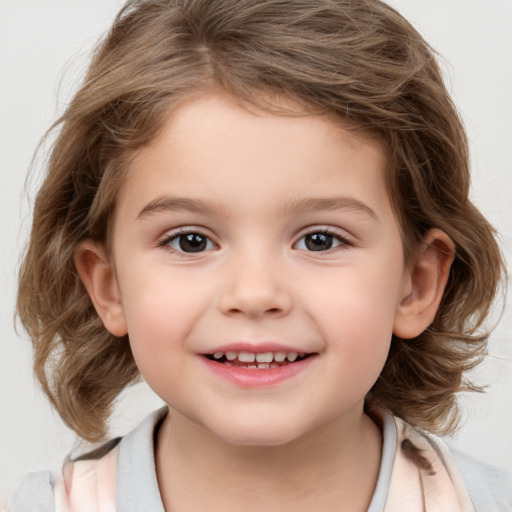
(160, 313)
(355, 314)
(156, 298)
(359, 299)
(359, 344)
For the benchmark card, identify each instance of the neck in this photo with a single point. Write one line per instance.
(332, 468)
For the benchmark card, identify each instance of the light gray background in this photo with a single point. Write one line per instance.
(44, 46)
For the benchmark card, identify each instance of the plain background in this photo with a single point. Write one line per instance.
(43, 50)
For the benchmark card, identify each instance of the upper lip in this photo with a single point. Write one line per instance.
(254, 347)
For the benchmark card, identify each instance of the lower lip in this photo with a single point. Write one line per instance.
(254, 377)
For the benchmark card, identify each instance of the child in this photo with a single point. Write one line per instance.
(262, 208)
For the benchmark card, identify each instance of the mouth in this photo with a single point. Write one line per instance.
(258, 360)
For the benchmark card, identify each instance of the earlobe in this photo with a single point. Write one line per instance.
(98, 277)
(426, 285)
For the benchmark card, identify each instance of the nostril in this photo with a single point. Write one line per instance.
(255, 298)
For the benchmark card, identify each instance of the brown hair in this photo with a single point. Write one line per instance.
(360, 63)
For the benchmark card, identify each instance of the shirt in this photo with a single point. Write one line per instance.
(488, 489)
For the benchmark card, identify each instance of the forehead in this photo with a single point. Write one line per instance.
(214, 146)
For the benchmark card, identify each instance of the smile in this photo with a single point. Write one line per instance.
(258, 369)
(261, 360)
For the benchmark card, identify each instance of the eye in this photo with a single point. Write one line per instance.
(320, 241)
(189, 242)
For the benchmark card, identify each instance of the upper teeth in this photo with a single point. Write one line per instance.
(262, 357)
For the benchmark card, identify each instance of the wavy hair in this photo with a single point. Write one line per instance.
(362, 64)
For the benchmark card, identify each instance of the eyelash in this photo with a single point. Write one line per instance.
(166, 242)
(344, 243)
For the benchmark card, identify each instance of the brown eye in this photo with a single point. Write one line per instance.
(320, 241)
(190, 242)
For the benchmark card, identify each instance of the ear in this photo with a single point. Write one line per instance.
(426, 283)
(99, 279)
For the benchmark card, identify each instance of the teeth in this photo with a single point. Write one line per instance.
(261, 360)
(279, 356)
(246, 357)
(266, 357)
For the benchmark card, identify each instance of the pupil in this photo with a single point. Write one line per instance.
(192, 242)
(318, 242)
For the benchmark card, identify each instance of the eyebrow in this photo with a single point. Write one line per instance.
(329, 204)
(171, 203)
(204, 206)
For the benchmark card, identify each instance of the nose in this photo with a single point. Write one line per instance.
(255, 286)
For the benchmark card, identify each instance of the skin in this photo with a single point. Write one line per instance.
(304, 443)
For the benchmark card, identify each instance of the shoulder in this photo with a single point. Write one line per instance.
(88, 481)
(34, 492)
(75, 482)
(490, 488)
(486, 488)
(123, 467)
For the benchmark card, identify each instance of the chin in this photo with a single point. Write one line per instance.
(264, 434)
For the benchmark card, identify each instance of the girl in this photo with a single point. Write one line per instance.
(262, 208)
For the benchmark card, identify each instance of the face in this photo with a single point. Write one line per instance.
(259, 268)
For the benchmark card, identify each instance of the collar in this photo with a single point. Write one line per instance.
(416, 474)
